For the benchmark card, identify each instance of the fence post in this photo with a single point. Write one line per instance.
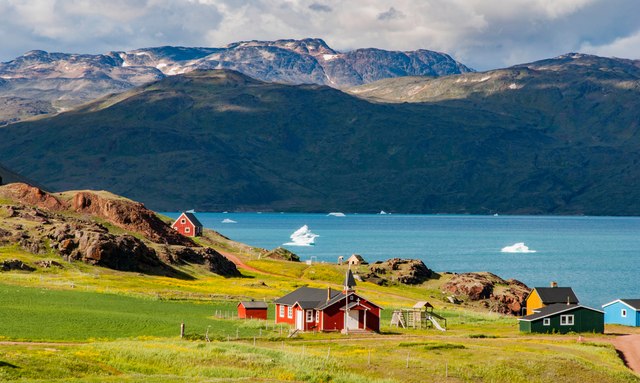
(408, 352)
(181, 330)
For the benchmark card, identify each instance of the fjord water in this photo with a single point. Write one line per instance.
(598, 256)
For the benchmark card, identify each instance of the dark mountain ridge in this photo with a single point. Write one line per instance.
(218, 140)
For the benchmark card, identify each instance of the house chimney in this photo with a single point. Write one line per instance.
(328, 294)
(568, 300)
(554, 284)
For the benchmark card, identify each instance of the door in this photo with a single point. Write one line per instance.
(300, 320)
(352, 320)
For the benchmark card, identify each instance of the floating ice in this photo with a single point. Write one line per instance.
(336, 214)
(519, 247)
(227, 220)
(302, 237)
(382, 212)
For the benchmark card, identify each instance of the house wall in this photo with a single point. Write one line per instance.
(533, 302)
(254, 313)
(613, 315)
(242, 312)
(333, 317)
(584, 321)
(181, 227)
(291, 321)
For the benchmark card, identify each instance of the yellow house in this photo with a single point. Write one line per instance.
(544, 296)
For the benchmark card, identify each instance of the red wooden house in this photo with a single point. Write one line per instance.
(188, 225)
(252, 310)
(309, 309)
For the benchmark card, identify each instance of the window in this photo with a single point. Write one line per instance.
(623, 313)
(546, 322)
(317, 316)
(309, 315)
(183, 221)
(566, 320)
(187, 229)
(290, 312)
(281, 311)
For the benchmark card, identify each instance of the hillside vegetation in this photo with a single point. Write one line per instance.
(553, 137)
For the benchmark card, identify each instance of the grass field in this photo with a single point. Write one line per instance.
(87, 324)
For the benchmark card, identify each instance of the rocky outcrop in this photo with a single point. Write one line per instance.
(406, 271)
(96, 246)
(505, 297)
(129, 215)
(14, 264)
(282, 253)
(31, 195)
(211, 259)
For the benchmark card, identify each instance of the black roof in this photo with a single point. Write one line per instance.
(193, 219)
(254, 304)
(635, 303)
(307, 297)
(553, 309)
(551, 295)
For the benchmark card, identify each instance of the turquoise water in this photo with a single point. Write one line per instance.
(598, 256)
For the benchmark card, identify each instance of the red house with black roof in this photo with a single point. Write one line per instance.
(252, 310)
(188, 225)
(311, 309)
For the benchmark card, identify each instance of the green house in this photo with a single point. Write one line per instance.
(563, 318)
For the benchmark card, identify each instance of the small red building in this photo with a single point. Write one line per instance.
(309, 309)
(188, 225)
(252, 310)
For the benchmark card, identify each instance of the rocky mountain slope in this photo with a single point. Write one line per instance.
(561, 142)
(40, 82)
(79, 226)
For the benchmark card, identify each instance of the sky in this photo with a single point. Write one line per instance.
(482, 34)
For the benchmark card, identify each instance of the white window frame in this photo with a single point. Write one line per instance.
(187, 230)
(546, 322)
(623, 313)
(309, 316)
(566, 320)
(281, 311)
(317, 316)
(290, 312)
(183, 221)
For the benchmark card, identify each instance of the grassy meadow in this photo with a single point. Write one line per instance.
(77, 323)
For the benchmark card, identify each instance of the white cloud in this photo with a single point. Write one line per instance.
(481, 33)
(620, 47)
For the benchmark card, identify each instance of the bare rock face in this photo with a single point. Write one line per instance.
(129, 215)
(505, 297)
(282, 253)
(406, 271)
(97, 246)
(214, 261)
(31, 195)
(14, 264)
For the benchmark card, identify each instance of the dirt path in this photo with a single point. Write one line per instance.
(628, 347)
(238, 262)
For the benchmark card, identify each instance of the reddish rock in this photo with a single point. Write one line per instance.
(405, 271)
(129, 215)
(33, 196)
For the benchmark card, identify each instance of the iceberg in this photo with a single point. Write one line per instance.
(519, 247)
(382, 212)
(227, 220)
(302, 237)
(336, 214)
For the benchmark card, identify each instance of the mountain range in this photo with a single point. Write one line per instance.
(41, 83)
(557, 136)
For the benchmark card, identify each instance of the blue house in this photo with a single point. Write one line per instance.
(622, 311)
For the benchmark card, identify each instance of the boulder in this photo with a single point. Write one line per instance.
(505, 297)
(14, 264)
(406, 271)
(282, 253)
(33, 196)
(47, 264)
(211, 259)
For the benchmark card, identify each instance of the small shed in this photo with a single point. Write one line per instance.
(188, 225)
(622, 311)
(252, 310)
(563, 318)
(356, 259)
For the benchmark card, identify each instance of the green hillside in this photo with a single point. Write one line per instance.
(218, 140)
